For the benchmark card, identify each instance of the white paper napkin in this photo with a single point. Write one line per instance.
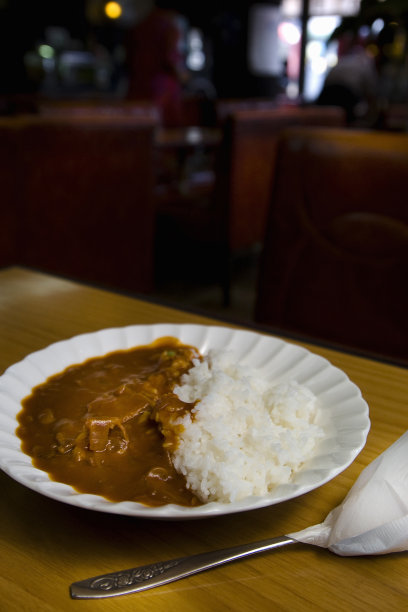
(373, 518)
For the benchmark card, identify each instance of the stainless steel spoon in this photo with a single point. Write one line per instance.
(157, 574)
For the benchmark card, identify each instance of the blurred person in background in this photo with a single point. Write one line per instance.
(155, 63)
(353, 82)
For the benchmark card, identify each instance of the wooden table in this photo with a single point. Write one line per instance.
(47, 545)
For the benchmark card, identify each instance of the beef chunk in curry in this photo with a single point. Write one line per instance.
(107, 426)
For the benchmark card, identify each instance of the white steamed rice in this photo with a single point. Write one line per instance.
(245, 435)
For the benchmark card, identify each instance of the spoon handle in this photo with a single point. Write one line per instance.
(157, 574)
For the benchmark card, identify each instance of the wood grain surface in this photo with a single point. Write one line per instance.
(46, 545)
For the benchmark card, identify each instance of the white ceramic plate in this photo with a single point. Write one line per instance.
(344, 413)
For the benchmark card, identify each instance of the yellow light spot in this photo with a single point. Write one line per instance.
(372, 50)
(113, 10)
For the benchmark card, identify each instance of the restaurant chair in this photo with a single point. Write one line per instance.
(246, 170)
(84, 198)
(230, 219)
(188, 157)
(334, 266)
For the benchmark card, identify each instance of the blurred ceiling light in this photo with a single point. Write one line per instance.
(322, 27)
(319, 65)
(332, 59)
(292, 90)
(113, 10)
(293, 8)
(377, 25)
(289, 32)
(195, 39)
(314, 49)
(46, 51)
(131, 11)
(364, 31)
(195, 60)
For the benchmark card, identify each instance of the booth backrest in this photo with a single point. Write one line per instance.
(225, 107)
(248, 161)
(81, 197)
(92, 108)
(335, 260)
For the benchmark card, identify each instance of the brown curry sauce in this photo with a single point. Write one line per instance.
(103, 426)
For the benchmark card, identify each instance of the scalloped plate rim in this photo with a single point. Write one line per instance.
(116, 338)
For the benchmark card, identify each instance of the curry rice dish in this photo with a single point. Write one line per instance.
(161, 424)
